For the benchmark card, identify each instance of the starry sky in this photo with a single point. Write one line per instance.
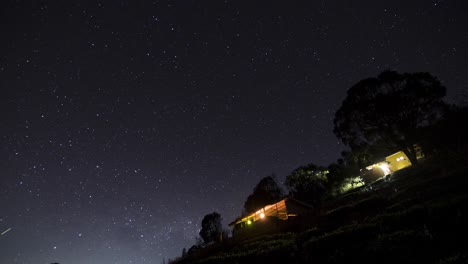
(122, 123)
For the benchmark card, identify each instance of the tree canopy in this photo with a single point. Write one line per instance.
(212, 228)
(267, 191)
(307, 183)
(448, 136)
(386, 111)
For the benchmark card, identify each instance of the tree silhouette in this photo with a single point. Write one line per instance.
(307, 183)
(212, 228)
(448, 136)
(194, 249)
(387, 111)
(265, 192)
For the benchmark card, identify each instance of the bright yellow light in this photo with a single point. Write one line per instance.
(384, 167)
(262, 215)
(249, 222)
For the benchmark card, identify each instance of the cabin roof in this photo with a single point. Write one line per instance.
(282, 202)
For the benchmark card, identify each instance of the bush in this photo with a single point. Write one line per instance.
(404, 246)
(258, 251)
(347, 244)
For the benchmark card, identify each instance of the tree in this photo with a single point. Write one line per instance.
(265, 192)
(386, 111)
(212, 228)
(194, 248)
(308, 183)
(448, 137)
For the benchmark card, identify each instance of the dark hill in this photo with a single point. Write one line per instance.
(416, 215)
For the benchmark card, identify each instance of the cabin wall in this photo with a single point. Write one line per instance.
(398, 161)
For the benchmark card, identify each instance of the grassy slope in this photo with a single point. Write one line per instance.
(417, 215)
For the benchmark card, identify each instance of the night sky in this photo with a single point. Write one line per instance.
(122, 123)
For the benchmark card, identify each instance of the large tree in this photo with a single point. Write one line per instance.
(386, 111)
(212, 228)
(449, 136)
(267, 191)
(307, 183)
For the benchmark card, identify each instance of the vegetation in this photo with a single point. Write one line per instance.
(385, 113)
(307, 183)
(415, 215)
(212, 228)
(266, 192)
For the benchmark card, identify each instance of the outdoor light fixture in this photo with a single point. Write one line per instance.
(249, 222)
(262, 215)
(384, 167)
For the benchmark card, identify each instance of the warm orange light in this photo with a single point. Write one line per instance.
(262, 215)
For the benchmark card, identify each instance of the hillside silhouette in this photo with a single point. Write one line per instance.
(368, 207)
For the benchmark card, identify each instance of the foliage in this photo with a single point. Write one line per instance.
(194, 249)
(351, 183)
(267, 191)
(414, 215)
(455, 259)
(212, 229)
(448, 136)
(385, 112)
(274, 249)
(308, 235)
(344, 175)
(339, 246)
(307, 183)
(426, 225)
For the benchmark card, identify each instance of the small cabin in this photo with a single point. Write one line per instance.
(271, 216)
(392, 163)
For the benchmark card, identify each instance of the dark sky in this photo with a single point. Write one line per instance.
(122, 123)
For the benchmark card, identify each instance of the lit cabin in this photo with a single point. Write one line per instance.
(262, 220)
(392, 163)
